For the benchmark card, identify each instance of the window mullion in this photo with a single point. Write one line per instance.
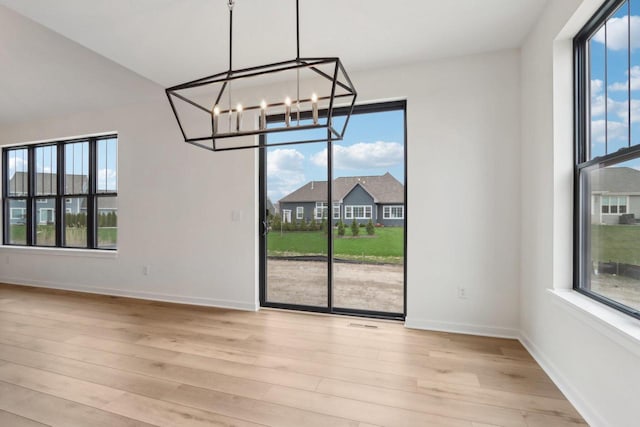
(91, 195)
(60, 226)
(31, 211)
(5, 193)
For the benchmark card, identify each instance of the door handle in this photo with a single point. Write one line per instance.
(265, 228)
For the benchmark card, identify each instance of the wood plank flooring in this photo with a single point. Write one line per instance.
(72, 359)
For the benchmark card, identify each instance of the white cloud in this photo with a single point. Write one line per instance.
(614, 108)
(596, 87)
(624, 86)
(16, 164)
(107, 179)
(363, 155)
(285, 172)
(615, 131)
(617, 33)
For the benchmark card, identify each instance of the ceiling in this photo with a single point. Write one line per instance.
(171, 41)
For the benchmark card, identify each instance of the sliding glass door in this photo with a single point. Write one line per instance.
(333, 219)
(296, 264)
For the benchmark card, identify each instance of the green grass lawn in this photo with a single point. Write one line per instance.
(75, 236)
(616, 243)
(387, 245)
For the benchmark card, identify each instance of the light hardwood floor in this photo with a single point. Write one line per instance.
(72, 359)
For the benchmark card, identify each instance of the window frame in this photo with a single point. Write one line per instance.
(388, 215)
(583, 164)
(286, 216)
(336, 210)
(352, 211)
(23, 214)
(60, 197)
(321, 208)
(617, 205)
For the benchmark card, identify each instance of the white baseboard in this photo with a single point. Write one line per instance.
(582, 406)
(207, 302)
(461, 328)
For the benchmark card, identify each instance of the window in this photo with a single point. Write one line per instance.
(336, 211)
(17, 214)
(322, 210)
(614, 205)
(299, 212)
(357, 212)
(61, 194)
(393, 212)
(607, 186)
(286, 215)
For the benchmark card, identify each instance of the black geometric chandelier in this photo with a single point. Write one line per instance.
(293, 101)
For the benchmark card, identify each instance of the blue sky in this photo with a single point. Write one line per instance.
(77, 161)
(373, 145)
(610, 74)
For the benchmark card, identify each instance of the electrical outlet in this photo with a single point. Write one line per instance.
(146, 270)
(462, 292)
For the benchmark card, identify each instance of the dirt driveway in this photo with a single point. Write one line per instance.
(358, 286)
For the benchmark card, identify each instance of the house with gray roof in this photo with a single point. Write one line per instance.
(379, 198)
(45, 204)
(615, 195)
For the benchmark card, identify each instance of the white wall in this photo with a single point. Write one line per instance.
(175, 215)
(594, 364)
(176, 201)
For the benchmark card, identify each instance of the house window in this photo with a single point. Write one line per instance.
(299, 212)
(79, 177)
(357, 212)
(46, 215)
(286, 215)
(336, 211)
(393, 212)
(322, 210)
(606, 105)
(614, 205)
(17, 214)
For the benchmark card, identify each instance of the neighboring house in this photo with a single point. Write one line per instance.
(615, 191)
(45, 205)
(379, 198)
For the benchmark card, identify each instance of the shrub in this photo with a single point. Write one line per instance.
(370, 228)
(341, 229)
(276, 222)
(324, 226)
(355, 228)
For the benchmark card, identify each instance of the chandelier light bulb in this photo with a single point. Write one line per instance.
(263, 115)
(216, 118)
(314, 107)
(238, 117)
(287, 111)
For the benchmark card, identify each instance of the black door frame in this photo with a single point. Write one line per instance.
(262, 181)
